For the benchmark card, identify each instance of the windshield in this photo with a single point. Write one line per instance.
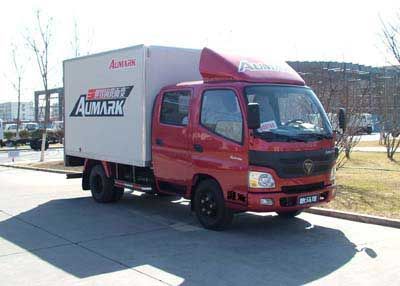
(288, 112)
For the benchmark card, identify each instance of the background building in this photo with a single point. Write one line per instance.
(359, 89)
(9, 111)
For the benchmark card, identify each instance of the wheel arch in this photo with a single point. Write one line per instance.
(196, 180)
(87, 168)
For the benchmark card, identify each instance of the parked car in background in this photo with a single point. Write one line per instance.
(12, 127)
(58, 125)
(1, 133)
(30, 126)
(361, 122)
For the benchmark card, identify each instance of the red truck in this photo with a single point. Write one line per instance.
(246, 135)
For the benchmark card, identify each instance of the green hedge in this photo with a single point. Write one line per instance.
(24, 134)
(8, 135)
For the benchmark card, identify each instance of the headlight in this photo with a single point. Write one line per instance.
(261, 180)
(333, 174)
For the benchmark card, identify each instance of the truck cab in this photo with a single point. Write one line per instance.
(246, 135)
(201, 132)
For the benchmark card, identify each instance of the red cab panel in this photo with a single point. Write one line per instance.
(220, 141)
(171, 141)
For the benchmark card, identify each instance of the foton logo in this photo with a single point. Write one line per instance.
(124, 63)
(253, 67)
(102, 102)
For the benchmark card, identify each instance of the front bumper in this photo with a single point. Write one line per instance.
(288, 201)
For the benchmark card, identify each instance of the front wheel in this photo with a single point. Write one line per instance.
(209, 206)
(290, 214)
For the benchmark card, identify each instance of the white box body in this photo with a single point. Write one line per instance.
(109, 100)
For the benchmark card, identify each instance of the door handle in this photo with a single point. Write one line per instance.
(198, 148)
(159, 142)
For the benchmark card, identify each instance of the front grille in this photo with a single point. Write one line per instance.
(291, 164)
(298, 189)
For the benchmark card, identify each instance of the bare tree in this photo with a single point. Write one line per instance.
(39, 41)
(16, 82)
(353, 90)
(389, 111)
(340, 85)
(75, 42)
(389, 107)
(391, 37)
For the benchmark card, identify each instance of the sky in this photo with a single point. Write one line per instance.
(288, 30)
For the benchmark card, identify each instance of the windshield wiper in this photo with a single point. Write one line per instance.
(270, 136)
(319, 136)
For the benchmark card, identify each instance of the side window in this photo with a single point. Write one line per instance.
(175, 108)
(220, 113)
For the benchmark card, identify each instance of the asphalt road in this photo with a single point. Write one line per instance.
(32, 156)
(52, 233)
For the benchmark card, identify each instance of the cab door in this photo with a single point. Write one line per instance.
(220, 146)
(170, 141)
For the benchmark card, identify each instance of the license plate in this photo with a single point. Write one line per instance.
(308, 200)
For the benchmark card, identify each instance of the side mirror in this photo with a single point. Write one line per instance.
(253, 116)
(342, 119)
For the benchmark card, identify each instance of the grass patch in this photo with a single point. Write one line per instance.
(54, 165)
(369, 144)
(374, 160)
(368, 191)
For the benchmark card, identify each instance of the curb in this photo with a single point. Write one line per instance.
(26, 149)
(355, 217)
(40, 169)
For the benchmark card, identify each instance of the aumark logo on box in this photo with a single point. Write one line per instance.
(102, 102)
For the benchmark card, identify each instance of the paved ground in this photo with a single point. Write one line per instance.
(52, 233)
(370, 137)
(379, 149)
(32, 156)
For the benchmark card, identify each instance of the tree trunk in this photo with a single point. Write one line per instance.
(347, 152)
(46, 121)
(43, 146)
(19, 109)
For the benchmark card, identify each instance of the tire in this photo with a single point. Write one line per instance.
(209, 206)
(118, 194)
(101, 187)
(291, 214)
(36, 144)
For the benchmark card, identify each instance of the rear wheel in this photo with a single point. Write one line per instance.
(291, 214)
(118, 194)
(102, 187)
(209, 205)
